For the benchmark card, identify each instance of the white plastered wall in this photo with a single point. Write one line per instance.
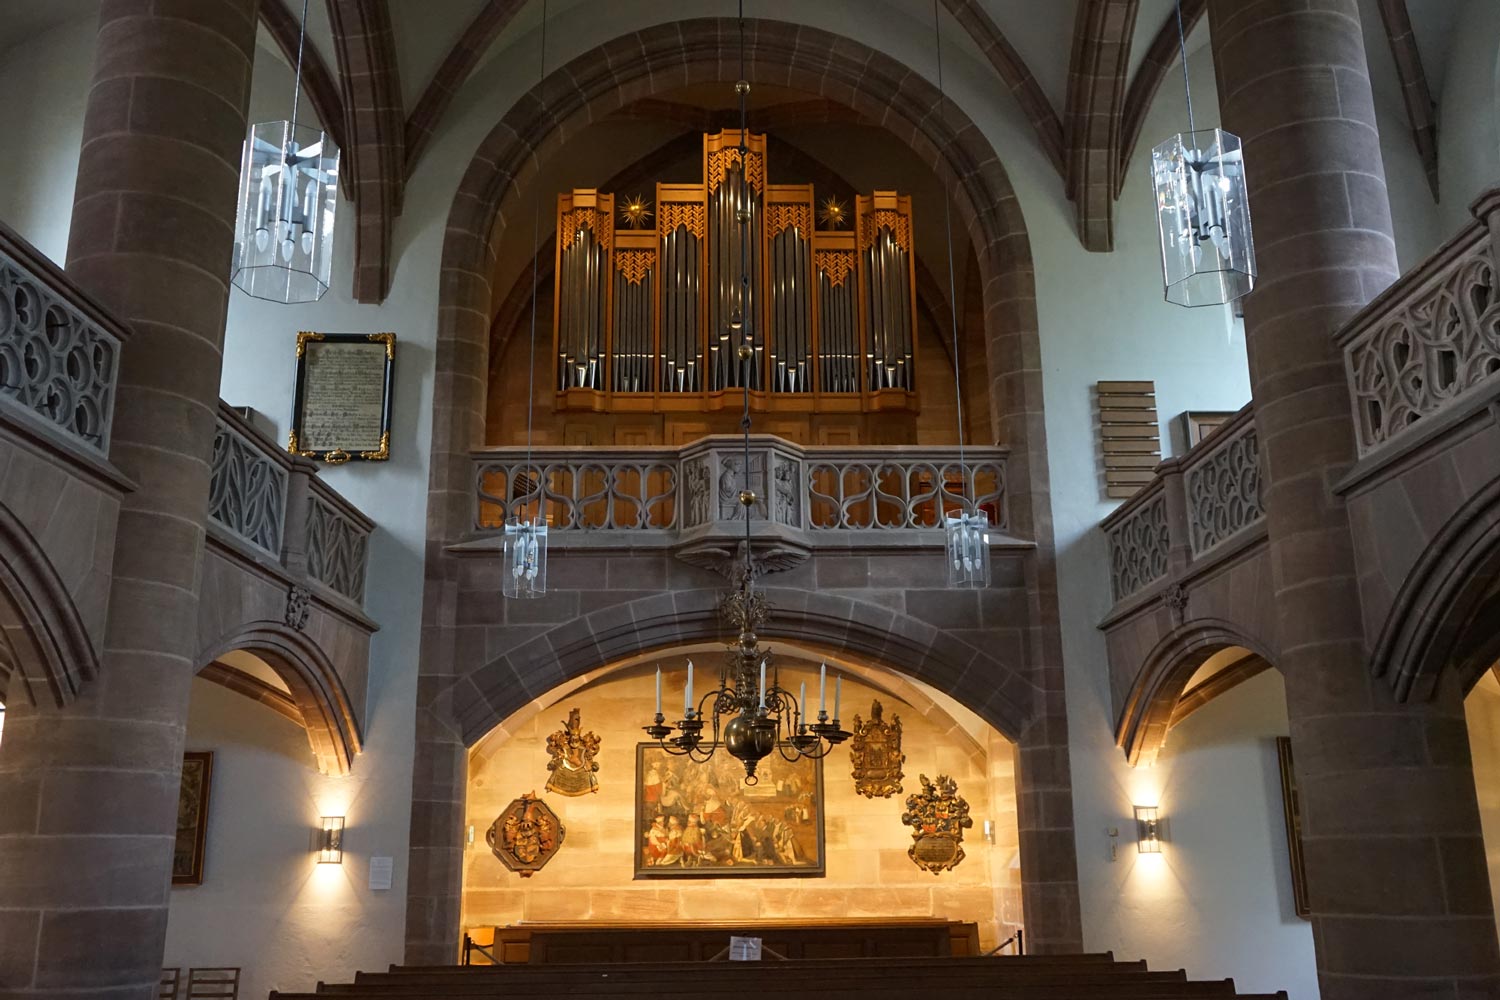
(45, 81)
(1101, 318)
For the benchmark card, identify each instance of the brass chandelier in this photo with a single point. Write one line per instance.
(751, 718)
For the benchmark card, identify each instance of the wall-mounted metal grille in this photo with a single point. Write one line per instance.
(651, 309)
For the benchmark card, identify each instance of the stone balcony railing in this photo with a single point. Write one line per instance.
(1430, 343)
(662, 496)
(1191, 513)
(276, 508)
(59, 351)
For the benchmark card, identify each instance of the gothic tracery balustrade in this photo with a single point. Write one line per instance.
(1138, 544)
(58, 360)
(337, 545)
(820, 490)
(247, 491)
(1224, 485)
(278, 507)
(1428, 340)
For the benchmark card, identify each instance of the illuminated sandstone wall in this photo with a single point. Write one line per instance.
(868, 871)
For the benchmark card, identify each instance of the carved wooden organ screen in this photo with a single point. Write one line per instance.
(646, 313)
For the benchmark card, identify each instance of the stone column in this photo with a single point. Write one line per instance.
(1395, 863)
(89, 793)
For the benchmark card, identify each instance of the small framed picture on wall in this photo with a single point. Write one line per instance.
(341, 408)
(192, 818)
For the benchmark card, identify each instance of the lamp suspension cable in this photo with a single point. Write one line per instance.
(524, 547)
(297, 79)
(1187, 86)
(536, 232)
(966, 535)
(958, 387)
(747, 344)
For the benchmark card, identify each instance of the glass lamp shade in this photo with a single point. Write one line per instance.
(1203, 213)
(968, 550)
(524, 560)
(283, 234)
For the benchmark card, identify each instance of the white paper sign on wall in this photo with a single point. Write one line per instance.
(380, 872)
(744, 949)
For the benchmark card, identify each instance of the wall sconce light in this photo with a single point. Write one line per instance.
(331, 841)
(989, 831)
(469, 837)
(1148, 831)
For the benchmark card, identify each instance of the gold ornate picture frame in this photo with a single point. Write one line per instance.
(192, 818)
(341, 408)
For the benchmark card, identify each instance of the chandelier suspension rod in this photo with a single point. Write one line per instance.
(953, 282)
(1187, 86)
(297, 80)
(536, 231)
(958, 387)
(747, 348)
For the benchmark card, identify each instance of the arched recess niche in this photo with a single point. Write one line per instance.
(453, 704)
(868, 871)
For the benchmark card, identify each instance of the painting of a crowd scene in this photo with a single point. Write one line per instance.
(702, 821)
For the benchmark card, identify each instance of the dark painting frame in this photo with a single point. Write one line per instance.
(338, 452)
(785, 788)
(1291, 805)
(192, 818)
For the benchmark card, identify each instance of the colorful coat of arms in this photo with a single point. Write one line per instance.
(526, 835)
(875, 753)
(938, 816)
(574, 769)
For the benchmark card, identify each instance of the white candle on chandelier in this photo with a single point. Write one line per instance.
(658, 689)
(801, 701)
(838, 692)
(687, 695)
(822, 688)
(762, 683)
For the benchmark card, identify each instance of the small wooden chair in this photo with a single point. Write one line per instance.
(213, 984)
(171, 981)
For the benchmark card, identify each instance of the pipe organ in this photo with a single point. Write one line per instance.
(650, 305)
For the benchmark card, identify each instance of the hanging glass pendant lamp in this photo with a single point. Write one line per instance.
(283, 231)
(967, 525)
(524, 547)
(1203, 210)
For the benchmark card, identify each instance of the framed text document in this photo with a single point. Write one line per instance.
(342, 406)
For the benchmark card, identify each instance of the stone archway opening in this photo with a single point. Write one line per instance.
(594, 877)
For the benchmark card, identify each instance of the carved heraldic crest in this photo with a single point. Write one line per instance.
(573, 764)
(875, 754)
(526, 835)
(938, 816)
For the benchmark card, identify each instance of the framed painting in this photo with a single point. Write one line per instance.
(1292, 809)
(192, 818)
(697, 820)
(341, 406)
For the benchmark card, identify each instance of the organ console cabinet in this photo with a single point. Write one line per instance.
(650, 306)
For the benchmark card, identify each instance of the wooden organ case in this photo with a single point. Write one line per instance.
(648, 303)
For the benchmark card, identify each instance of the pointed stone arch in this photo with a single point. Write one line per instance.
(46, 653)
(1151, 708)
(309, 674)
(1446, 616)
